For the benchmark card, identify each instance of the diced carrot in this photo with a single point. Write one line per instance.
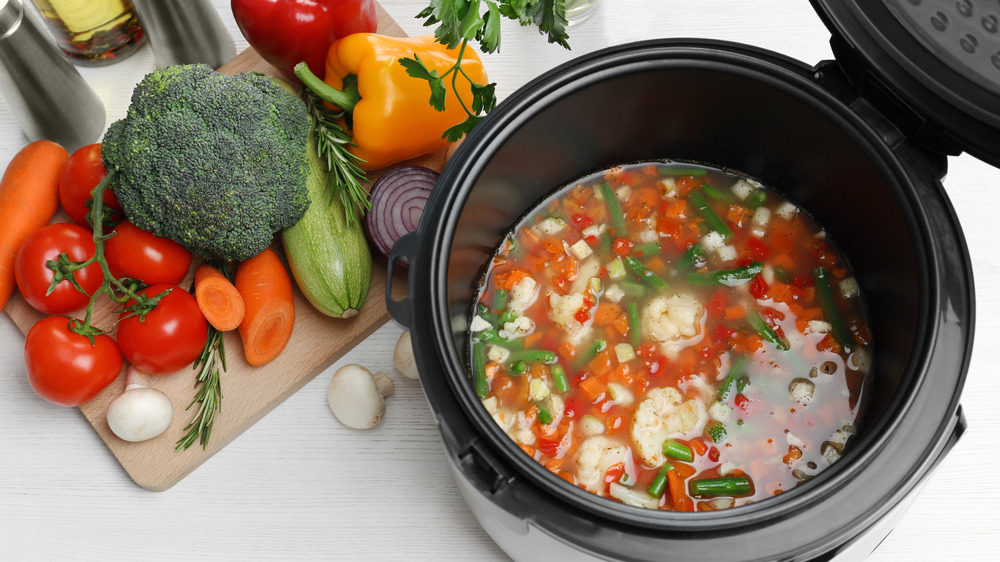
(686, 185)
(606, 313)
(615, 422)
(684, 470)
(781, 292)
(699, 446)
(567, 476)
(552, 246)
(593, 388)
(839, 272)
(567, 350)
(553, 465)
(657, 265)
(734, 312)
(531, 339)
(644, 201)
(737, 215)
(624, 374)
(508, 279)
(675, 208)
(568, 267)
(528, 450)
(678, 495)
(602, 364)
(622, 325)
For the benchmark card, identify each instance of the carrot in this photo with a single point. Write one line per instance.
(678, 495)
(593, 388)
(606, 313)
(218, 299)
(29, 198)
(266, 289)
(734, 312)
(507, 280)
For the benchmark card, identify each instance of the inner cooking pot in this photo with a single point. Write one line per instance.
(797, 129)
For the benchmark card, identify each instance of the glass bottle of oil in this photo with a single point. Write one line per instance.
(93, 32)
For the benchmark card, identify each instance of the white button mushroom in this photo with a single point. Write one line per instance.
(141, 412)
(402, 356)
(356, 396)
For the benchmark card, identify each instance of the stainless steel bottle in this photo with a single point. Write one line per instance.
(185, 32)
(46, 93)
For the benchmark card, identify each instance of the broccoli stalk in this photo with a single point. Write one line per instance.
(214, 162)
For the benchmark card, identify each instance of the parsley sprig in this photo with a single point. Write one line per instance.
(460, 22)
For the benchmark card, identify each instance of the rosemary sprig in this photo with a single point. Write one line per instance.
(210, 366)
(332, 142)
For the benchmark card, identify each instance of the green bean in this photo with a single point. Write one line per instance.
(724, 486)
(659, 483)
(490, 335)
(598, 346)
(479, 382)
(824, 292)
(678, 451)
(559, 377)
(765, 331)
(633, 323)
(755, 199)
(507, 316)
(727, 277)
(534, 356)
(644, 273)
(735, 372)
(518, 368)
(485, 313)
(543, 415)
(696, 172)
(713, 220)
(500, 299)
(614, 208)
(692, 257)
(715, 193)
(633, 289)
(605, 248)
(647, 250)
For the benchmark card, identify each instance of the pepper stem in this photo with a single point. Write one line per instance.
(345, 99)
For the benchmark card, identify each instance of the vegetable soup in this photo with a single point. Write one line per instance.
(672, 336)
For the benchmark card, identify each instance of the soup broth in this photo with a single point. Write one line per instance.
(672, 336)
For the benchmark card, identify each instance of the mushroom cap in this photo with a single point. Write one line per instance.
(355, 398)
(403, 357)
(140, 414)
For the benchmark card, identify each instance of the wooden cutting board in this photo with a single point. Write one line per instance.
(249, 392)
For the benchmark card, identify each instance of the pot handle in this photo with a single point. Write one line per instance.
(403, 252)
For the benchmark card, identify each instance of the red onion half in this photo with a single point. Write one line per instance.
(398, 199)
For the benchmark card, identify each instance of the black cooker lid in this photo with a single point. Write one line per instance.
(933, 66)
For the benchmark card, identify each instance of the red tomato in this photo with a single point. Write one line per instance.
(169, 338)
(34, 278)
(82, 172)
(136, 253)
(64, 367)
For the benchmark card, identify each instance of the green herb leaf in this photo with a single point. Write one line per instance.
(417, 69)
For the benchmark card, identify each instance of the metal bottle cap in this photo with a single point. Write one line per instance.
(45, 91)
(185, 32)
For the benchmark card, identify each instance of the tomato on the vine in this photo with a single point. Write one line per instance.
(34, 277)
(136, 253)
(170, 337)
(80, 174)
(64, 367)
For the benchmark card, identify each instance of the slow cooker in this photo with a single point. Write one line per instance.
(861, 142)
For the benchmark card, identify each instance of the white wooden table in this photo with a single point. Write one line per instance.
(298, 485)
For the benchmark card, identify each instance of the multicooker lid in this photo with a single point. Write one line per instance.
(936, 63)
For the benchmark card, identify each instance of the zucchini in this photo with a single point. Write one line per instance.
(331, 261)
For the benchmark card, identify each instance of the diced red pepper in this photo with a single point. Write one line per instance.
(574, 407)
(713, 454)
(758, 249)
(759, 287)
(722, 333)
(623, 246)
(716, 304)
(548, 447)
(646, 350)
(582, 315)
(582, 221)
(742, 402)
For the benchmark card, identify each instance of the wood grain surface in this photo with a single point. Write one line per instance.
(249, 393)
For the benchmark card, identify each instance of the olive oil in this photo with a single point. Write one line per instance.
(93, 32)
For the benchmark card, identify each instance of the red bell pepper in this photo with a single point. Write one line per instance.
(286, 32)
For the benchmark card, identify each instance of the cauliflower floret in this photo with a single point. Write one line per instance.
(671, 318)
(562, 312)
(504, 418)
(479, 324)
(522, 295)
(660, 416)
(595, 456)
(556, 407)
(519, 327)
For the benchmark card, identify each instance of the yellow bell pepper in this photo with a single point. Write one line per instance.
(391, 116)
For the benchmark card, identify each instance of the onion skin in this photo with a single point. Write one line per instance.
(398, 199)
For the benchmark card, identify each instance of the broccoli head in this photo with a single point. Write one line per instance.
(214, 162)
